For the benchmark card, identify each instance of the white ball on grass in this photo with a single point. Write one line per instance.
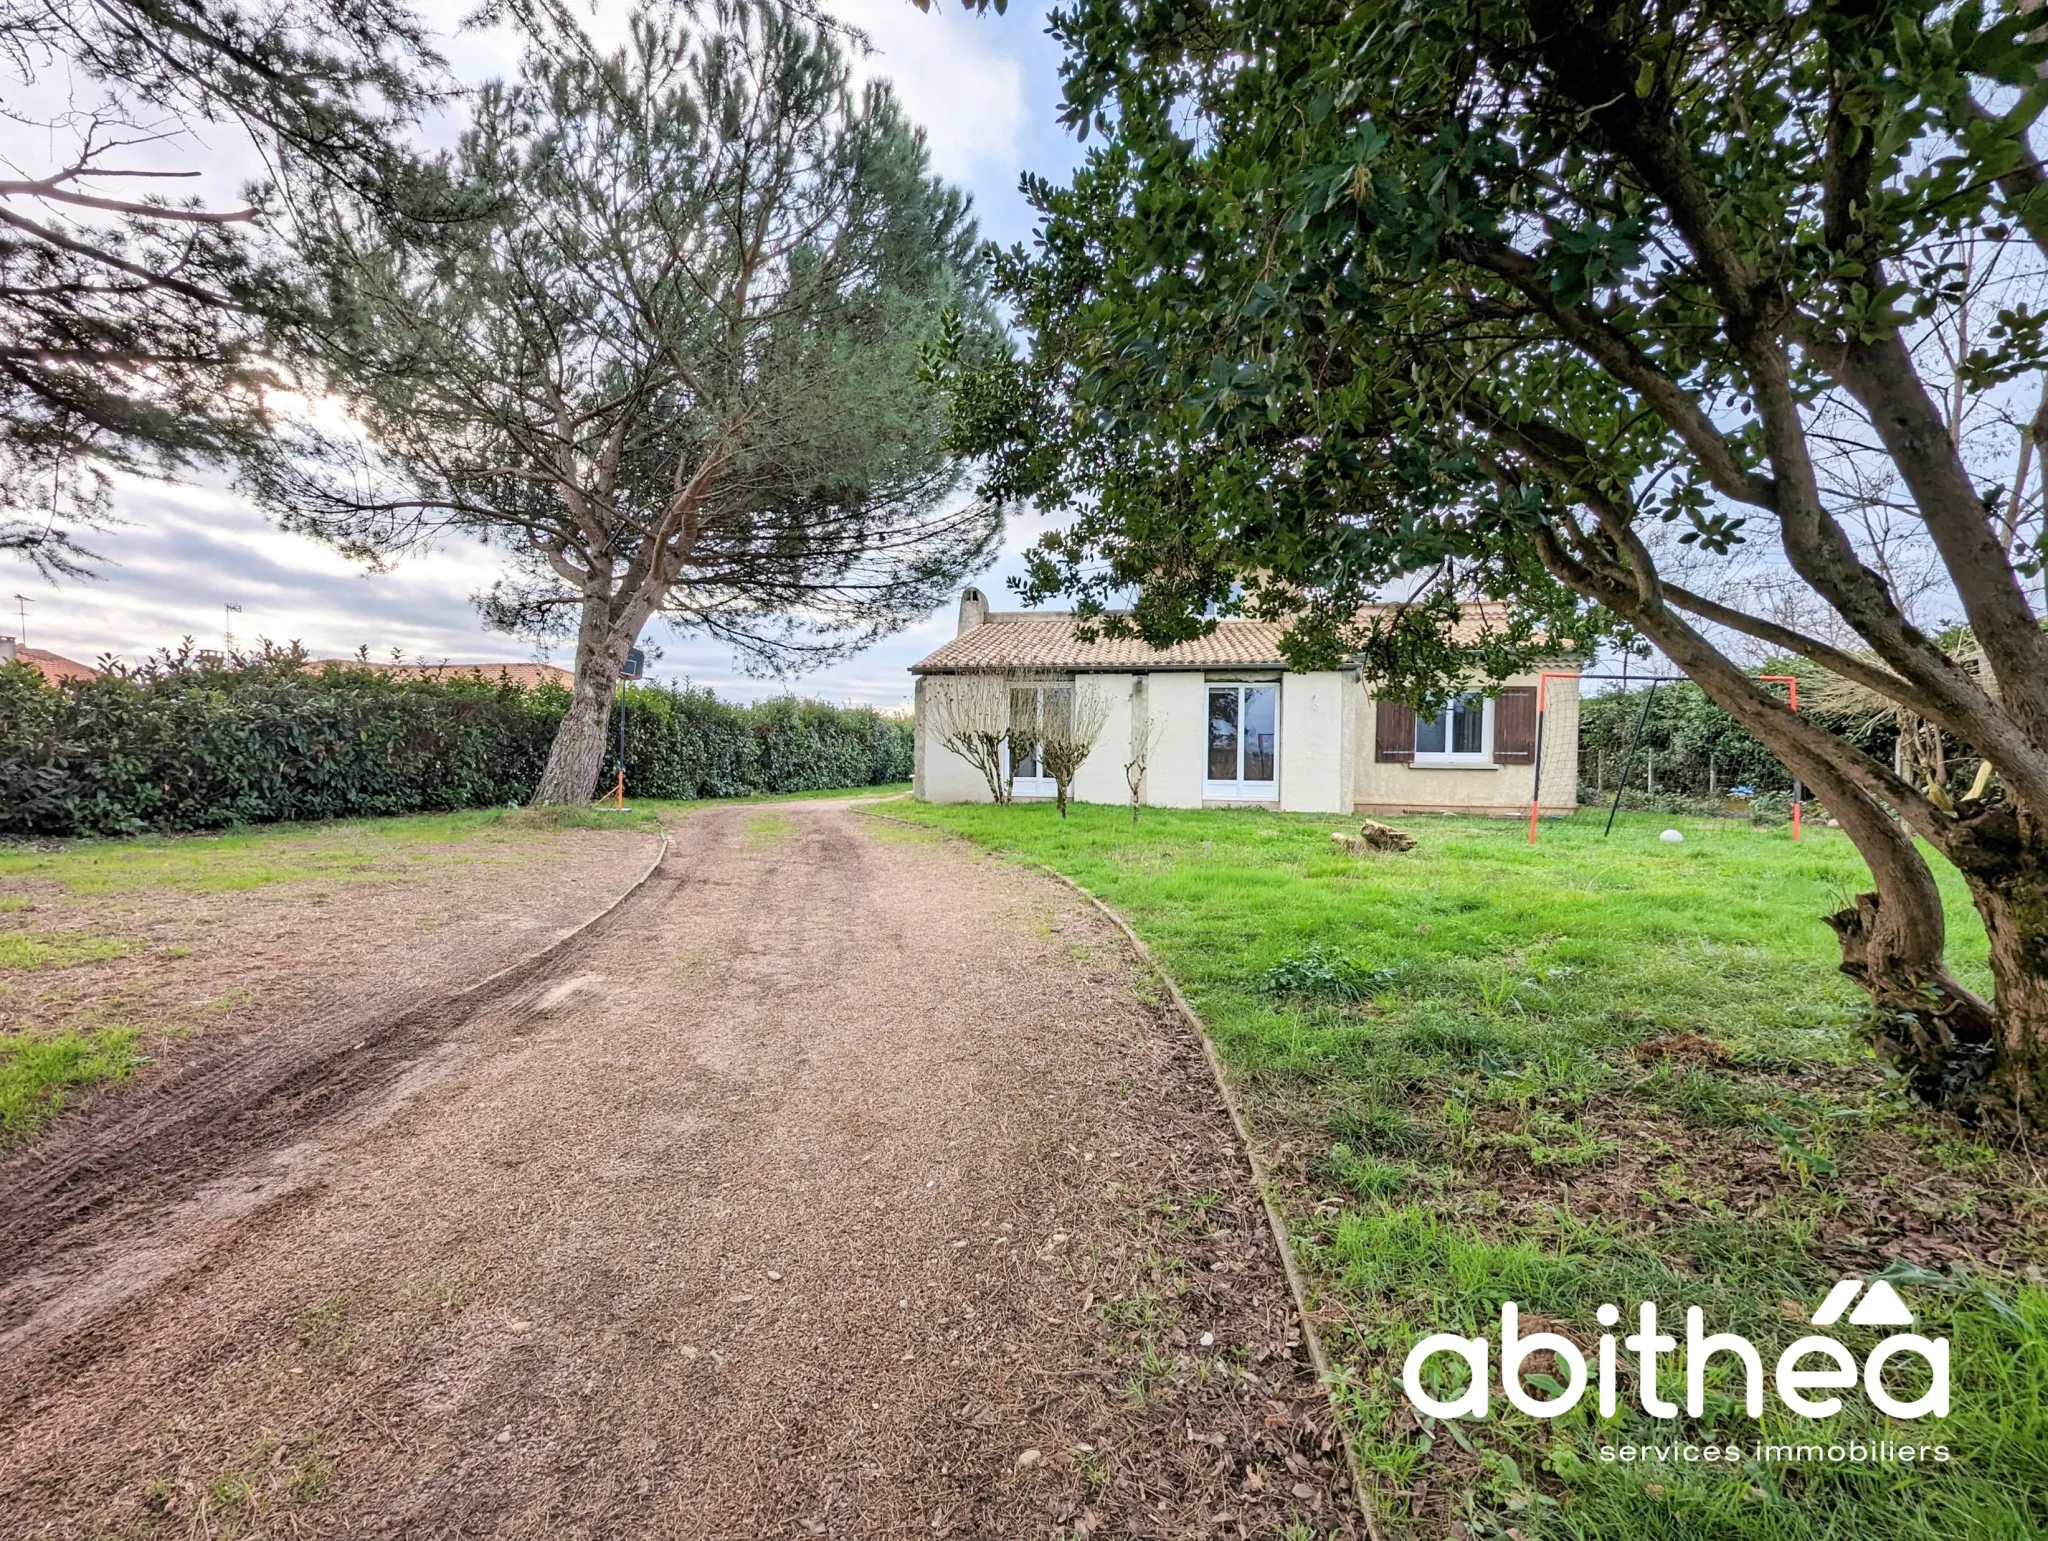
(1672, 837)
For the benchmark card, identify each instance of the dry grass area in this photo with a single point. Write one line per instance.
(126, 959)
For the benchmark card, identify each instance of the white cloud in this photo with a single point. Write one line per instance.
(955, 77)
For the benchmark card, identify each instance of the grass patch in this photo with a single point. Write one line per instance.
(1596, 1071)
(342, 850)
(767, 830)
(39, 1073)
(33, 950)
(894, 789)
(349, 850)
(597, 816)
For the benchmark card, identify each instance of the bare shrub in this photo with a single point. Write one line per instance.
(969, 714)
(1145, 735)
(1068, 728)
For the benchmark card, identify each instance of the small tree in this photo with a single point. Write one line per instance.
(969, 715)
(1145, 735)
(1026, 698)
(1067, 733)
(673, 359)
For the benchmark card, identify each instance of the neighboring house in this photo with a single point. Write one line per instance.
(1232, 725)
(529, 676)
(52, 666)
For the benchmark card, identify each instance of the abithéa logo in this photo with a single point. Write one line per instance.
(1814, 1363)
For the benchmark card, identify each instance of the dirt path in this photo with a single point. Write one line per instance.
(840, 1183)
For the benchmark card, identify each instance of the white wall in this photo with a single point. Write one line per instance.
(1179, 704)
(1315, 742)
(944, 777)
(1326, 752)
(1101, 776)
(941, 775)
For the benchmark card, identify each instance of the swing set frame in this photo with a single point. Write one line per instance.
(1543, 680)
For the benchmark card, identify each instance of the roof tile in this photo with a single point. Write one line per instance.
(1025, 640)
(1006, 642)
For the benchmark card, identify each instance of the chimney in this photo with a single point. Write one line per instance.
(9, 650)
(973, 608)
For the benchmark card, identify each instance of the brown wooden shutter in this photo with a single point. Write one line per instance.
(1394, 733)
(1514, 726)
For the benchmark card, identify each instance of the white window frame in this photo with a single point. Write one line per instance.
(1034, 786)
(1240, 790)
(1451, 759)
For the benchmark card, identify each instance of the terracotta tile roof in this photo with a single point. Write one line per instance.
(53, 667)
(526, 675)
(1025, 641)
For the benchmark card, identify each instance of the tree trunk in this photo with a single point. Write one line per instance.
(1954, 1049)
(577, 754)
(2003, 854)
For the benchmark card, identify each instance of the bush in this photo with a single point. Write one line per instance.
(1320, 970)
(1694, 749)
(188, 742)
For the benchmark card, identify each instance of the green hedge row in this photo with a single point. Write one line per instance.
(1691, 748)
(184, 743)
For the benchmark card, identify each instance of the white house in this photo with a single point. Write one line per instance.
(1230, 724)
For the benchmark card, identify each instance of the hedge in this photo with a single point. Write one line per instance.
(190, 743)
(1692, 748)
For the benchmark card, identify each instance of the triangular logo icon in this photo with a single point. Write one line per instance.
(1837, 1302)
(1881, 1307)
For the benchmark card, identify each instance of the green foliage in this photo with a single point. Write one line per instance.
(670, 359)
(1694, 743)
(688, 744)
(183, 743)
(1359, 290)
(134, 323)
(1321, 970)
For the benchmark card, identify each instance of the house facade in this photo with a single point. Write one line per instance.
(1222, 721)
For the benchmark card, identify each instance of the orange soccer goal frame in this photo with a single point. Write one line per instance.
(1791, 682)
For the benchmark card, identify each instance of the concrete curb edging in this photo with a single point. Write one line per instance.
(1261, 1179)
(563, 939)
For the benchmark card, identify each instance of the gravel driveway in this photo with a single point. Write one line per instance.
(841, 1182)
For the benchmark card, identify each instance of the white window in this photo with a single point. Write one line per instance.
(1244, 743)
(1032, 708)
(1462, 735)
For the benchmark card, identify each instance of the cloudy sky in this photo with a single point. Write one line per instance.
(985, 88)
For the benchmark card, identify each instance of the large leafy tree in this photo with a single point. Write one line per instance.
(1719, 323)
(139, 324)
(674, 361)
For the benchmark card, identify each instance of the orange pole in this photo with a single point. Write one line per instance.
(619, 791)
(1791, 684)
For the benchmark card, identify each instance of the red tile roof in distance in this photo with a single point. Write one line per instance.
(54, 667)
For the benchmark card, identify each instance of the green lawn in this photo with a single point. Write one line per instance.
(1598, 1071)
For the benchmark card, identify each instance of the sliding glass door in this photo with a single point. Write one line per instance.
(1244, 743)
